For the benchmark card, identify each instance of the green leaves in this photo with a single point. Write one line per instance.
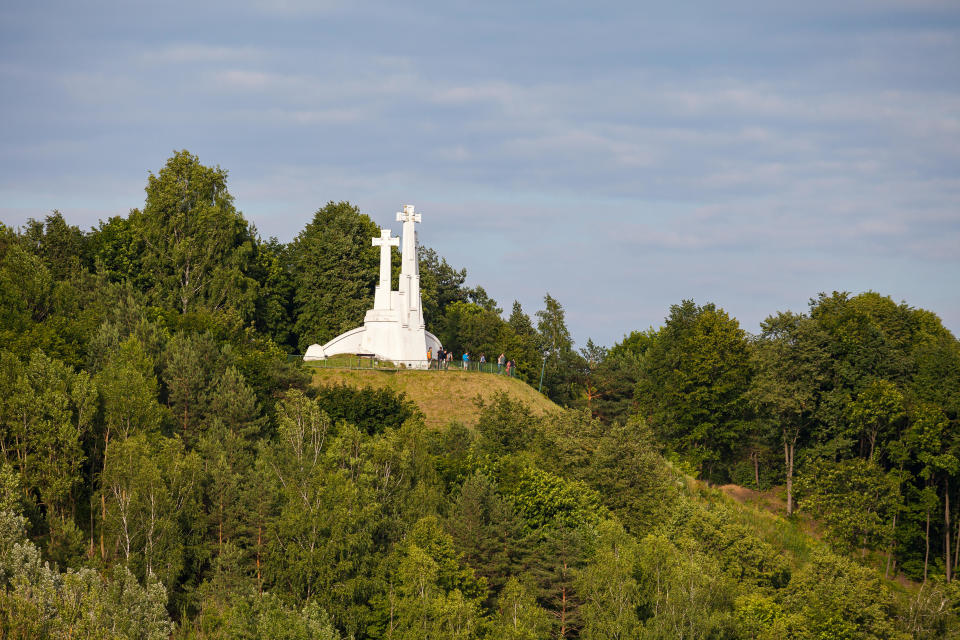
(47, 411)
(519, 617)
(609, 588)
(334, 270)
(693, 381)
(36, 601)
(197, 249)
(876, 410)
(152, 491)
(854, 499)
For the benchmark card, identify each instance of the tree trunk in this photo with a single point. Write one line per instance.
(788, 459)
(926, 558)
(956, 547)
(563, 611)
(946, 523)
(103, 500)
(886, 573)
(93, 510)
(259, 580)
(756, 469)
(103, 521)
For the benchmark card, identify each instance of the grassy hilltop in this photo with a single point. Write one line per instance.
(443, 396)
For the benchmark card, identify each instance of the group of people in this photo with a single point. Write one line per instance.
(445, 359)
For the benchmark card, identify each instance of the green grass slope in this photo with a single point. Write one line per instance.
(443, 396)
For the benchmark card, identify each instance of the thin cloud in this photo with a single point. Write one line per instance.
(193, 53)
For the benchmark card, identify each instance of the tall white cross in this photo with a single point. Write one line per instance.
(409, 218)
(408, 214)
(385, 242)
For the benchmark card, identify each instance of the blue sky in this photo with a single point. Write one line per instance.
(621, 157)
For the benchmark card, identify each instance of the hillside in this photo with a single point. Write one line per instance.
(450, 396)
(442, 396)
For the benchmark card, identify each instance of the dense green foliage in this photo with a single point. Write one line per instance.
(852, 406)
(164, 470)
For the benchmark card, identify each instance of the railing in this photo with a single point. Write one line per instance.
(374, 363)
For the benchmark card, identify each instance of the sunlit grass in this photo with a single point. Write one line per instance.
(443, 396)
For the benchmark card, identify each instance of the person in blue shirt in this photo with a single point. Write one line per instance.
(466, 360)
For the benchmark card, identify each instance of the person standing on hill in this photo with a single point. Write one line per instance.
(509, 366)
(449, 359)
(429, 357)
(500, 361)
(466, 360)
(483, 361)
(441, 354)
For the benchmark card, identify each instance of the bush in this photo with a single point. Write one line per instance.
(370, 410)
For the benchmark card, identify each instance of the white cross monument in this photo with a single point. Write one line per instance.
(394, 329)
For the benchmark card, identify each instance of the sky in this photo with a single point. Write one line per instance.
(621, 156)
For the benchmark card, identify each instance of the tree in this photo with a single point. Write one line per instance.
(693, 382)
(267, 616)
(61, 246)
(519, 617)
(554, 335)
(37, 601)
(791, 363)
(198, 249)
(48, 411)
(26, 300)
(440, 285)
(116, 246)
(561, 364)
(682, 593)
(609, 588)
(833, 597)
(487, 531)
(275, 296)
(128, 392)
(429, 593)
(875, 411)
(854, 498)
(370, 410)
(467, 326)
(231, 401)
(320, 543)
(615, 378)
(189, 361)
(152, 493)
(561, 552)
(524, 346)
(334, 268)
(478, 296)
(929, 432)
(505, 425)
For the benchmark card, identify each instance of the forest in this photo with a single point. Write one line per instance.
(168, 467)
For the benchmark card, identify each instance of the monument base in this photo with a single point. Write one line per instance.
(383, 339)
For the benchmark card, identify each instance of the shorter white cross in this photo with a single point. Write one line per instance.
(385, 242)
